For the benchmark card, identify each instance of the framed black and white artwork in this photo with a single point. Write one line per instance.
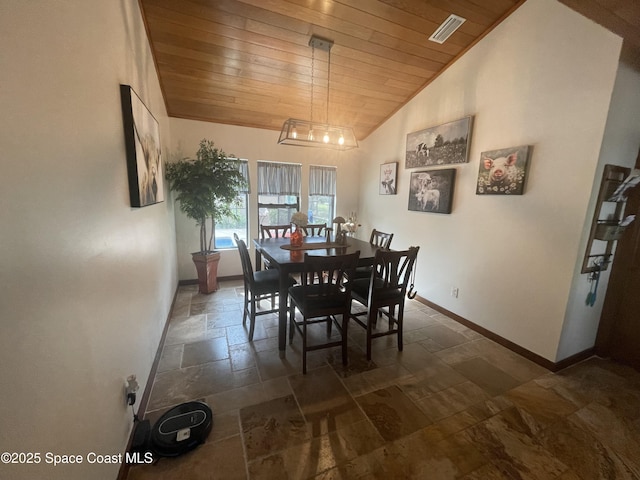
(144, 158)
(444, 144)
(432, 190)
(388, 175)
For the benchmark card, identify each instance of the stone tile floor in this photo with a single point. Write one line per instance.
(452, 405)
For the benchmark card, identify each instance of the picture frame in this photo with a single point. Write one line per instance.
(444, 144)
(144, 155)
(432, 190)
(388, 177)
(503, 171)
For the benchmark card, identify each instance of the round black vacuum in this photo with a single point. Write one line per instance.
(181, 429)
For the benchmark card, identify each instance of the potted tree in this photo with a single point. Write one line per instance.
(206, 187)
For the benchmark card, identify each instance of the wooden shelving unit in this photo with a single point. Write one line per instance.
(605, 226)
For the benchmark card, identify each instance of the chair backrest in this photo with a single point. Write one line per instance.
(391, 273)
(323, 277)
(274, 231)
(380, 239)
(315, 229)
(245, 259)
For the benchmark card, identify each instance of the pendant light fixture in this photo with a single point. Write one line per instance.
(310, 133)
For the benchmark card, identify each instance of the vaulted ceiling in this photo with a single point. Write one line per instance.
(249, 63)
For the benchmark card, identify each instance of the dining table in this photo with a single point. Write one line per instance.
(289, 259)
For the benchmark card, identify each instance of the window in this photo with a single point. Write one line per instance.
(322, 194)
(278, 192)
(223, 236)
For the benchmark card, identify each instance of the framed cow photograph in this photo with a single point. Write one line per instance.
(445, 144)
(142, 142)
(504, 171)
(388, 174)
(432, 190)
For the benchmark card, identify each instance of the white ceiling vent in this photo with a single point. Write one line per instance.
(447, 28)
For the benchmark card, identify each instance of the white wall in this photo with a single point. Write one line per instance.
(254, 144)
(87, 281)
(543, 77)
(619, 147)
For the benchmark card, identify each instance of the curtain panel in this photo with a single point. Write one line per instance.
(243, 167)
(322, 181)
(279, 178)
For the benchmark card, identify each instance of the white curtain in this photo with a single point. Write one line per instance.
(279, 178)
(322, 181)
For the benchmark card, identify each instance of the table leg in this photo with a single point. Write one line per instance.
(258, 259)
(283, 311)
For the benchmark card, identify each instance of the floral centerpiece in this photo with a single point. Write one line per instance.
(351, 225)
(299, 219)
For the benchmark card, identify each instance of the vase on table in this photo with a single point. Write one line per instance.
(296, 236)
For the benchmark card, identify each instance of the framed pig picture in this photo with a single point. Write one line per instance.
(388, 173)
(432, 190)
(503, 172)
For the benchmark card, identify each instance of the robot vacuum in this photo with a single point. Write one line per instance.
(181, 429)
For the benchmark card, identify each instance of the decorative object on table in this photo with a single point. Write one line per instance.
(442, 145)
(207, 187)
(142, 143)
(312, 133)
(299, 220)
(432, 190)
(351, 225)
(388, 173)
(503, 172)
(339, 236)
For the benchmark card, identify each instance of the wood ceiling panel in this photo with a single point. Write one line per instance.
(248, 62)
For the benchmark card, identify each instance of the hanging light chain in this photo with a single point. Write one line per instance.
(328, 80)
(313, 67)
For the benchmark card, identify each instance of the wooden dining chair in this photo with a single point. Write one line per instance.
(314, 229)
(382, 292)
(322, 296)
(260, 285)
(378, 239)
(273, 231)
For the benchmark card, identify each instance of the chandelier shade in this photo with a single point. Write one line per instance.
(303, 133)
(310, 133)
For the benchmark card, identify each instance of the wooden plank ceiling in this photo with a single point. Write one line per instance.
(248, 62)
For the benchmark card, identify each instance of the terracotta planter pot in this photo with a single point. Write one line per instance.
(207, 267)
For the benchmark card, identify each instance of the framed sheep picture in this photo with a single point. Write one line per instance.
(432, 190)
(504, 171)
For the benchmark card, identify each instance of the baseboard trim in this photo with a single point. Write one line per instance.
(514, 347)
(144, 398)
(194, 281)
(576, 358)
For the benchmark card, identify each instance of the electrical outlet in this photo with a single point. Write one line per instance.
(454, 292)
